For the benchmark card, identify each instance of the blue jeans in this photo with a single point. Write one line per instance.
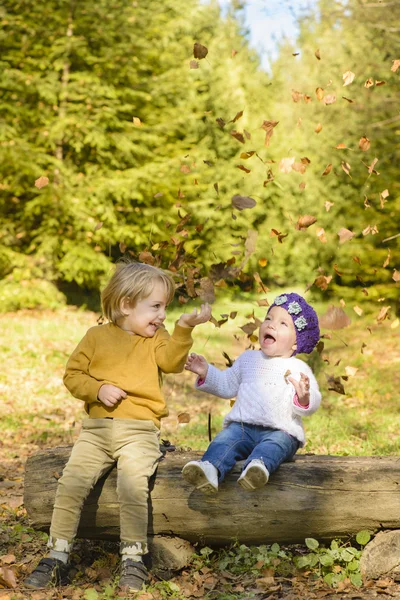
(241, 441)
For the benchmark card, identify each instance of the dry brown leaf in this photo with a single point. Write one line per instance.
(328, 205)
(242, 202)
(221, 122)
(302, 185)
(299, 167)
(350, 371)
(396, 275)
(359, 311)
(321, 235)
(297, 96)
(194, 64)
(268, 127)
(249, 328)
(206, 291)
(322, 281)
(385, 264)
(199, 51)
(184, 417)
(395, 65)
(348, 99)
(286, 164)
(345, 235)
(382, 197)
(237, 117)
(328, 169)
(263, 302)
(7, 577)
(335, 385)
(346, 168)
(238, 136)
(340, 147)
(246, 155)
(147, 258)
(318, 128)
(98, 226)
(348, 78)
(243, 168)
(304, 221)
(137, 122)
(334, 318)
(317, 54)
(41, 182)
(364, 144)
(319, 93)
(185, 169)
(329, 99)
(383, 314)
(379, 83)
(369, 83)
(279, 235)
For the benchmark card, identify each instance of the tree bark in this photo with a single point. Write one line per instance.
(315, 496)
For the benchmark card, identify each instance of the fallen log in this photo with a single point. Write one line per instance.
(316, 496)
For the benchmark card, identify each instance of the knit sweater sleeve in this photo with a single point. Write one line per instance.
(76, 378)
(315, 394)
(171, 351)
(224, 384)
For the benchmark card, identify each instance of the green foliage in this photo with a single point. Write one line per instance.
(31, 293)
(336, 563)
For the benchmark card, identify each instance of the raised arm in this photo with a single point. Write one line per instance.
(224, 384)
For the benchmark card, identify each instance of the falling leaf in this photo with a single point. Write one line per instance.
(279, 235)
(206, 292)
(348, 78)
(369, 83)
(41, 182)
(382, 197)
(318, 128)
(329, 99)
(396, 276)
(323, 281)
(137, 122)
(302, 185)
(345, 235)
(158, 195)
(383, 314)
(299, 167)
(328, 169)
(199, 51)
(304, 222)
(328, 205)
(98, 226)
(317, 54)
(335, 385)
(250, 243)
(336, 269)
(364, 144)
(319, 93)
(185, 169)
(194, 64)
(359, 311)
(385, 264)
(379, 83)
(238, 136)
(286, 164)
(262, 302)
(249, 328)
(350, 371)
(246, 155)
(334, 318)
(233, 53)
(237, 117)
(216, 187)
(321, 235)
(346, 168)
(242, 202)
(146, 257)
(268, 127)
(297, 96)
(262, 262)
(371, 167)
(340, 147)
(184, 417)
(348, 99)
(395, 65)
(221, 122)
(247, 134)
(243, 168)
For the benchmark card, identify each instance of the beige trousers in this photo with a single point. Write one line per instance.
(134, 446)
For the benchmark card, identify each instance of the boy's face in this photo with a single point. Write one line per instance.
(277, 334)
(147, 315)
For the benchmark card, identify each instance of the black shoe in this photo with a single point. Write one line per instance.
(49, 572)
(134, 575)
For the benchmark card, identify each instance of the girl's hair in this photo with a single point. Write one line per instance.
(134, 281)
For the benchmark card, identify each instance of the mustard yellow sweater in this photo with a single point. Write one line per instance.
(108, 354)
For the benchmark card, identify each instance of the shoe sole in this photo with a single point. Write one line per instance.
(196, 476)
(254, 479)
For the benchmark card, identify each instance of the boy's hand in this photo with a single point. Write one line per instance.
(196, 317)
(197, 364)
(302, 388)
(110, 395)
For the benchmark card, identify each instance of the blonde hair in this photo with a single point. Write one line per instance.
(133, 281)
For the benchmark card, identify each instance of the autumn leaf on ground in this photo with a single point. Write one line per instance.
(304, 221)
(268, 127)
(348, 78)
(395, 65)
(329, 99)
(238, 136)
(137, 122)
(41, 182)
(194, 64)
(334, 318)
(286, 164)
(242, 202)
(345, 235)
(328, 169)
(199, 51)
(184, 417)
(7, 577)
(364, 144)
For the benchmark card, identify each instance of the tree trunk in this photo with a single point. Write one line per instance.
(315, 496)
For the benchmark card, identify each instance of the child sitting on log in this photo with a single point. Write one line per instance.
(116, 370)
(273, 391)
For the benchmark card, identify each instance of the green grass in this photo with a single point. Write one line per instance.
(38, 411)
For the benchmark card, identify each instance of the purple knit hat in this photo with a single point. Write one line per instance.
(304, 318)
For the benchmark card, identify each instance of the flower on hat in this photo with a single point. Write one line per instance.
(280, 300)
(294, 308)
(300, 323)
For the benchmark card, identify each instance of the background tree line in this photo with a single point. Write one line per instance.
(145, 144)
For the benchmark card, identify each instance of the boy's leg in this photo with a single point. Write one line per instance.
(230, 445)
(273, 448)
(88, 462)
(137, 453)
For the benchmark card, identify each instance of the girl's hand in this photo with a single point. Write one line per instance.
(302, 388)
(196, 317)
(110, 395)
(197, 364)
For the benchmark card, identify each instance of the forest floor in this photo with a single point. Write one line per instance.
(37, 412)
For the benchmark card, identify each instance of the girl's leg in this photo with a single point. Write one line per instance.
(232, 444)
(137, 452)
(273, 448)
(89, 460)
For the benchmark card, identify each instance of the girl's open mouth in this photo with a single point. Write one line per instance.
(268, 339)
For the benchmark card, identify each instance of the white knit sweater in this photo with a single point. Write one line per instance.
(263, 396)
